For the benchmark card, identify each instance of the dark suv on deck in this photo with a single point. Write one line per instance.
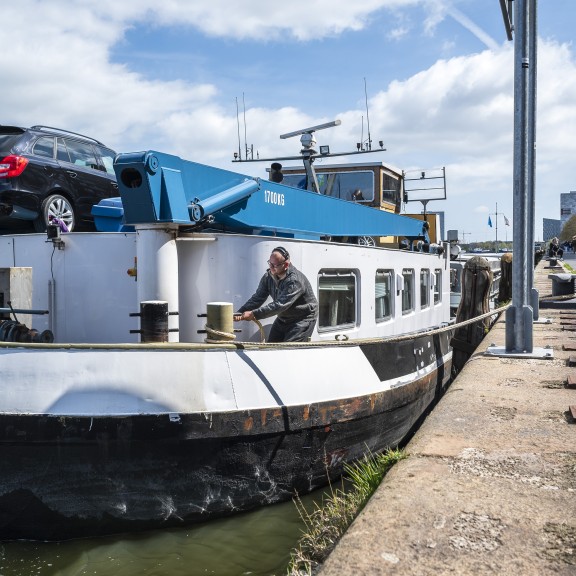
(47, 172)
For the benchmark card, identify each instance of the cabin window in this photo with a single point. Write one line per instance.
(391, 189)
(424, 288)
(356, 186)
(408, 290)
(437, 285)
(455, 277)
(336, 299)
(384, 289)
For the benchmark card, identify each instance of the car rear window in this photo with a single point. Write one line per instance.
(44, 147)
(7, 142)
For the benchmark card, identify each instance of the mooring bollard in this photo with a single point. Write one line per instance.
(505, 286)
(562, 284)
(219, 322)
(476, 283)
(154, 321)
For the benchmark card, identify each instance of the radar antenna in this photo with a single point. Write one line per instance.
(311, 129)
(308, 153)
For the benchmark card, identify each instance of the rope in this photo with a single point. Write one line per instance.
(447, 328)
(557, 298)
(260, 328)
(216, 336)
(227, 337)
(391, 339)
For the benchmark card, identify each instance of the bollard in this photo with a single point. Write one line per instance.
(476, 284)
(219, 322)
(562, 284)
(154, 321)
(505, 286)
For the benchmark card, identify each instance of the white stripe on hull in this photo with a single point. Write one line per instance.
(98, 382)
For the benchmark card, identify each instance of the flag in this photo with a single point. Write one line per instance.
(506, 221)
(489, 221)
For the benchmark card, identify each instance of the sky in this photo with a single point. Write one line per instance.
(432, 79)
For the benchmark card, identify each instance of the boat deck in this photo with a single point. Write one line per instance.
(489, 486)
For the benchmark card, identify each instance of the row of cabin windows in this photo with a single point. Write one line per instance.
(337, 295)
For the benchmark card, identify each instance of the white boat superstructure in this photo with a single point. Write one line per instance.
(378, 292)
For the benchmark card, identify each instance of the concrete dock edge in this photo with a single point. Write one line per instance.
(489, 486)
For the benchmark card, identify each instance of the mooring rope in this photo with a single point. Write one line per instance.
(441, 330)
(226, 338)
(216, 336)
(260, 328)
(391, 339)
(553, 298)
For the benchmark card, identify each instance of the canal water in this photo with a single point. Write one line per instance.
(256, 544)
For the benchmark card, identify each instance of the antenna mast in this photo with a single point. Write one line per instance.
(367, 117)
(245, 140)
(238, 125)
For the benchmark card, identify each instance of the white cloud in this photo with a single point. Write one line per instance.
(397, 33)
(256, 19)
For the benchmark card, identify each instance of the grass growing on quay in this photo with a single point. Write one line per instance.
(330, 519)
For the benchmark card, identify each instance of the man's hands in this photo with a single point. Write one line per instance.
(248, 315)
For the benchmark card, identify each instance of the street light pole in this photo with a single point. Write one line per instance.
(519, 316)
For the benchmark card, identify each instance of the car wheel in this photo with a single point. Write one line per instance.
(56, 206)
(366, 241)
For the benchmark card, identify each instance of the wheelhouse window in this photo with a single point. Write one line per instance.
(383, 299)
(391, 190)
(408, 290)
(355, 186)
(424, 288)
(437, 285)
(336, 299)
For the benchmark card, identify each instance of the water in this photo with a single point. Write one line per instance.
(255, 544)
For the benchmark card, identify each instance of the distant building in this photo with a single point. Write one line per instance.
(567, 207)
(551, 228)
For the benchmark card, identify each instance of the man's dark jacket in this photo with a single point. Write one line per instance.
(292, 297)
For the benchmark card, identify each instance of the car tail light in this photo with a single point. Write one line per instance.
(12, 166)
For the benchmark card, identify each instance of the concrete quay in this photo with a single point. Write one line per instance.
(489, 486)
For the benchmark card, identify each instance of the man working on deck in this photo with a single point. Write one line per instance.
(293, 301)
